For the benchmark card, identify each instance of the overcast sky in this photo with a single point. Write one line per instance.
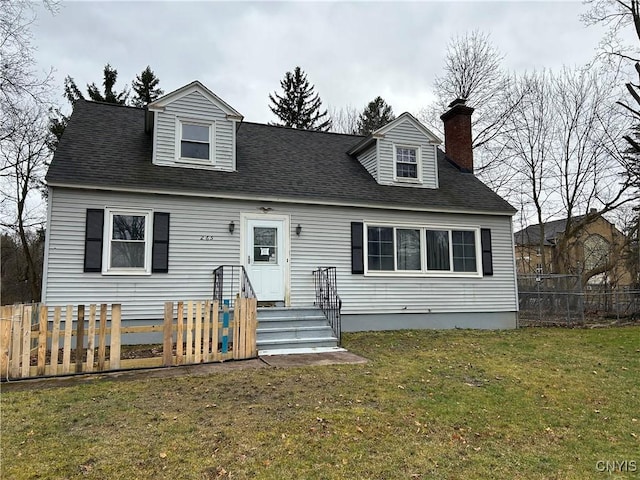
(352, 52)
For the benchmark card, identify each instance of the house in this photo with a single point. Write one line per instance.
(595, 249)
(144, 204)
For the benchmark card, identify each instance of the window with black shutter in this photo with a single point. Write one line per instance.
(160, 253)
(357, 251)
(94, 228)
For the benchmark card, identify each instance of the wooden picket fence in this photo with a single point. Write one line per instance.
(192, 332)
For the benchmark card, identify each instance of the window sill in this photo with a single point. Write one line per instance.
(423, 274)
(408, 180)
(127, 273)
(194, 161)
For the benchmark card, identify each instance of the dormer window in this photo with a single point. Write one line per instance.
(194, 142)
(407, 163)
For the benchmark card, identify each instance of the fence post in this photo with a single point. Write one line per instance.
(55, 342)
(225, 327)
(5, 341)
(167, 356)
(114, 348)
(26, 340)
(102, 337)
(68, 330)
(91, 337)
(198, 333)
(42, 339)
(79, 338)
(180, 334)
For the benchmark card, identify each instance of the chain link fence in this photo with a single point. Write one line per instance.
(561, 300)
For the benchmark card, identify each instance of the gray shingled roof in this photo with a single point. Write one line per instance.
(105, 146)
(531, 234)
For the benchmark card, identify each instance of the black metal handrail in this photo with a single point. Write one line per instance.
(327, 298)
(229, 281)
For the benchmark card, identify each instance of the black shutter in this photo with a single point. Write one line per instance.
(357, 250)
(160, 251)
(94, 228)
(487, 256)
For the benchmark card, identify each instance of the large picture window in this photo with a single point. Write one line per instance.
(129, 241)
(422, 250)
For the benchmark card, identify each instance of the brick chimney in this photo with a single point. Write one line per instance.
(457, 134)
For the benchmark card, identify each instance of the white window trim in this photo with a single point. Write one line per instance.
(418, 150)
(107, 234)
(200, 122)
(423, 251)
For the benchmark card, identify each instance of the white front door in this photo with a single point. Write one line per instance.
(265, 258)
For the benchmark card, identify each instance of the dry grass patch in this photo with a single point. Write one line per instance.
(527, 403)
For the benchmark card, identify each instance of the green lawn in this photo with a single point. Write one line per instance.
(529, 403)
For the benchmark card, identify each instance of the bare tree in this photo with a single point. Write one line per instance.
(526, 144)
(344, 120)
(19, 78)
(24, 156)
(622, 16)
(24, 105)
(473, 70)
(564, 142)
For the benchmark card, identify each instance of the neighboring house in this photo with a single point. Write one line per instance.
(596, 249)
(145, 203)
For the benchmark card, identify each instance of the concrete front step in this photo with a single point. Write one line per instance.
(292, 322)
(285, 329)
(278, 333)
(298, 351)
(289, 344)
(268, 312)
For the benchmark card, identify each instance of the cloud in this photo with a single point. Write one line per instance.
(351, 52)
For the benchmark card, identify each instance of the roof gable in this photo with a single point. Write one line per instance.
(195, 86)
(407, 117)
(367, 141)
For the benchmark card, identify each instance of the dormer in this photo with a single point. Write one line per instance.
(402, 153)
(193, 128)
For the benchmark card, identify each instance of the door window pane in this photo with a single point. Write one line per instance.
(265, 245)
(408, 249)
(438, 250)
(380, 248)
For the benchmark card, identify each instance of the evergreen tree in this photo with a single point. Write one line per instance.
(375, 115)
(146, 88)
(58, 121)
(299, 106)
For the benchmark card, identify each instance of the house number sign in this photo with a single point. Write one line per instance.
(207, 238)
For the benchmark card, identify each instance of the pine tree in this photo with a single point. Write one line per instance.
(109, 96)
(299, 106)
(58, 121)
(374, 116)
(146, 88)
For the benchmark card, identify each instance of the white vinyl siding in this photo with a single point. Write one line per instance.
(369, 160)
(325, 240)
(405, 134)
(196, 108)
